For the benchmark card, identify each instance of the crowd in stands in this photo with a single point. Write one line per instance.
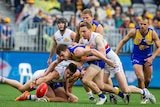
(112, 14)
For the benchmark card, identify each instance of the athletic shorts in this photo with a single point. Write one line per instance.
(55, 85)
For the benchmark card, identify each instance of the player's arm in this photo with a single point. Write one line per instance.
(157, 51)
(157, 43)
(100, 29)
(52, 51)
(86, 52)
(130, 35)
(100, 47)
(77, 35)
(52, 66)
(73, 36)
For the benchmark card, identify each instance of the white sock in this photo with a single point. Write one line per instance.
(90, 94)
(2, 79)
(31, 97)
(142, 92)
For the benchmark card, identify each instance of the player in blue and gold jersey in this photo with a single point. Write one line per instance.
(142, 55)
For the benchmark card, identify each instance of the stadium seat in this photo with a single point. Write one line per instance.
(25, 71)
(138, 8)
(67, 14)
(57, 13)
(151, 8)
(148, 1)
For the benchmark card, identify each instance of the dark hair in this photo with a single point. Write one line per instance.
(85, 24)
(72, 67)
(61, 47)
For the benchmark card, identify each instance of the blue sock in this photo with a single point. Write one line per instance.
(121, 94)
(102, 95)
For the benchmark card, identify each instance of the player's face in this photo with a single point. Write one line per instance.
(61, 26)
(68, 73)
(143, 25)
(64, 55)
(85, 32)
(87, 18)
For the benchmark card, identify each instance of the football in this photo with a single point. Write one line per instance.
(41, 90)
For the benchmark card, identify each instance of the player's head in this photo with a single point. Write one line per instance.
(70, 70)
(62, 23)
(85, 29)
(143, 23)
(62, 51)
(87, 15)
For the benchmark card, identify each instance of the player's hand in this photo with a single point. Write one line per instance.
(110, 63)
(49, 61)
(33, 84)
(148, 61)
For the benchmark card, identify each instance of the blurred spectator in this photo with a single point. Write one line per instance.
(130, 12)
(41, 4)
(90, 4)
(67, 5)
(157, 28)
(114, 4)
(109, 22)
(150, 20)
(79, 5)
(157, 16)
(72, 23)
(145, 12)
(52, 5)
(118, 17)
(49, 31)
(124, 2)
(131, 26)
(19, 4)
(7, 39)
(1, 19)
(86, 2)
(96, 9)
(40, 17)
(103, 2)
(28, 13)
(125, 26)
(136, 19)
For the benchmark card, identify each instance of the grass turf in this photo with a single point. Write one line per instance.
(8, 94)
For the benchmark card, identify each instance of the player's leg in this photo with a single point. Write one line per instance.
(138, 69)
(107, 79)
(91, 72)
(147, 75)
(147, 78)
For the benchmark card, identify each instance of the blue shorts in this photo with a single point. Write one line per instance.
(55, 85)
(137, 60)
(99, 63)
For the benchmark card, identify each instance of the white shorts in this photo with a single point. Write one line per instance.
(38, 73)
(113, 57)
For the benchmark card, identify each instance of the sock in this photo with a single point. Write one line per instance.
(31, 97)
(142, 92)
(100, 94)
(2, 79)
(90, 94)
(48, 99)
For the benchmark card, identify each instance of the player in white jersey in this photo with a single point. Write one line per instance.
(99, 43)
(62, 36)
(56, 91)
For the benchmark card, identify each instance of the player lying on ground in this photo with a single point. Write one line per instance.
(26, 87)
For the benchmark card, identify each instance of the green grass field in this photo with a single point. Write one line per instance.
(8, 94)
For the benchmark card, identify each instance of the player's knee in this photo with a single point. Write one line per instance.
(85, 81)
